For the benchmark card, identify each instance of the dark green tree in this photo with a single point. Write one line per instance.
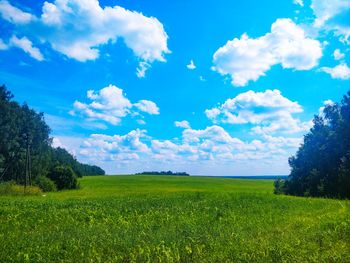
(64, 177)
(321, 166)
(25, 145)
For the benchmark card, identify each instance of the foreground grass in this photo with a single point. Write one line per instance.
(173, 219)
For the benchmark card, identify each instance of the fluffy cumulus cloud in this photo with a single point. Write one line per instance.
(182, 124)
(211, 146)
(247, 59)
(77, 29)
(341, 71)
(117, 147)
(111, 105)
(270, 111)
(333, 16)
(147, 106)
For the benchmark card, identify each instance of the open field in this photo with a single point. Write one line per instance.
(173, 219)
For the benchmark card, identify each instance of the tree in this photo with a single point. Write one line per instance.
(64, 177)
(25, 145)
(321, 166)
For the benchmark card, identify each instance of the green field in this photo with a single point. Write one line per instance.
(173, 219)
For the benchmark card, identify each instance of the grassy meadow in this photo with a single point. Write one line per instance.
(173, 219)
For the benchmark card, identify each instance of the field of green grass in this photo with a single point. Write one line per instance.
(173, 219)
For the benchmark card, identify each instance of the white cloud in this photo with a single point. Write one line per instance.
(201, 78)
(182, 124)
(338, 55)
(116, 147)
(191, 65)
(13, 14)
(111, 105)
(56, 143)
(269, 110)
(247, 59)
(341, 71)
(326, 10)
(142, 68)
(77, 29)
(141, 122)
(27, 46)
(147, 106)
(212, 133)
(286, 124)
(325, 103)
(298, 2)
(254, 107)
(3, 46)
(209, 147)
(329, 17)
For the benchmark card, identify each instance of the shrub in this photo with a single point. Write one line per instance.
(279, 186)
(46, 184)
(64, 177)
(11, 188)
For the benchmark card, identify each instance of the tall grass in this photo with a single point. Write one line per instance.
(173, 219)
(11, 188)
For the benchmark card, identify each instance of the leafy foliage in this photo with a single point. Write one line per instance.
(61, 156)
(321, 167)
(45, 184)
(64, 177)
(24, 132)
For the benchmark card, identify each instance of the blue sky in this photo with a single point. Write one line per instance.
(211, 88)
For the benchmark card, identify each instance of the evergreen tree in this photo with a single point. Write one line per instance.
(25, 145)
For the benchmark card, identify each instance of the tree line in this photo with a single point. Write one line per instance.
(164, 173)
(26, 152)
(321, 166)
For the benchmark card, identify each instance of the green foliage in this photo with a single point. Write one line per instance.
(45, 184)
(279, 186)
(173, 219)
(321, 167)
(21, 127)
(64, 177)
(23, 131)
(11, 188)
(60, 156)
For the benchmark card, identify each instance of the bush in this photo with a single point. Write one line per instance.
(64, 177)
(11, 188)
(279, 186)
(46, 184)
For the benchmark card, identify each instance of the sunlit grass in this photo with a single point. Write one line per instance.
(13, 189)
(173, 219)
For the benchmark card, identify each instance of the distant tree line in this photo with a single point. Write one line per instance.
(321, 166)
(26, 154)
(164, 173)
